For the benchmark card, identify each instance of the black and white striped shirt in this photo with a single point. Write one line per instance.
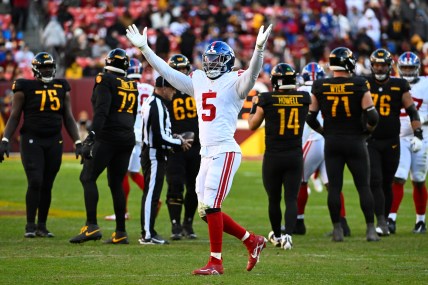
(157, 125)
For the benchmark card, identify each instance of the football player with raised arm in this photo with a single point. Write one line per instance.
(390, 95)
(45, 103)
(219, 93)
(284, 111)
(411, 159)
(343, 100)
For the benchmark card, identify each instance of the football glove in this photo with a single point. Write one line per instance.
(78, 150)
(87, 146)
(134, 36)
(416, 142)
(4, 149)
(262, 37)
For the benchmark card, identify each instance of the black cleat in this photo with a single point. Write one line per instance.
(420, 228)
(371, 234)
(337, 234)
(118, 238)
(157, 239)
(30, 230)
(90, 232)
(300, 228)
(391, 226)
(176, 232)
(345, 227)
(188, 231)
(42, 231)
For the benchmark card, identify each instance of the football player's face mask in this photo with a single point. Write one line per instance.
(218, 59)
(408, 66)
(46, 73)
(380, 70)
(214, 65)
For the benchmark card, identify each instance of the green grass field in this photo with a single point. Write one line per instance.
(399, 259)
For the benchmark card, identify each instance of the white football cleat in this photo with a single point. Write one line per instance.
(317, 183)
(286, 242)
(274, 240)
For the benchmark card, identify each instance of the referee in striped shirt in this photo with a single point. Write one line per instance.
(157, 143)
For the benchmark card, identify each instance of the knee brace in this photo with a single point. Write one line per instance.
(174, 201)
(399, 180)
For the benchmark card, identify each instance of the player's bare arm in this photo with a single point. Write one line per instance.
(257, 115)
(15, 115)
(70, 124)
(12, 123)
(411, 110)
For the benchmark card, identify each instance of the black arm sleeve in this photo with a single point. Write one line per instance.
(372, 116)
(101, 107)
(413, 113)
(313, 122)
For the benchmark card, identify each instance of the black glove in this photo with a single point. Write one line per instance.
(4, 149)
(87, 146)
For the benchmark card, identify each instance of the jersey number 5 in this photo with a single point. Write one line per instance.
(293, 121)
(210, 109)
(53, 99)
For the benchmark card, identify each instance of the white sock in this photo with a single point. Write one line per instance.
(216, 255)
(392, 216)
(420, 218)
(247, 235)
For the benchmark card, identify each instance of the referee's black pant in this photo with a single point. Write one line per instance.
(153, 163)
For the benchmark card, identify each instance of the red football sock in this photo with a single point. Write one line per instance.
(316, 173)
(215, 230)
(302, 198)
(233, 228)
(342, 203)
(138, 178)
(420, 199)
(126, 189)
(397, 196)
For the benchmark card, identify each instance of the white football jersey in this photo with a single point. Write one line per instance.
(420, 97)
(144, 91)
(218, 101)
(218, 105)
(308, 133)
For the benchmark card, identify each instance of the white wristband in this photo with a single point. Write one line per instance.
(5, 139)
(78, 141)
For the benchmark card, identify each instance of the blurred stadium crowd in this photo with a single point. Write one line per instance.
(80, 33)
